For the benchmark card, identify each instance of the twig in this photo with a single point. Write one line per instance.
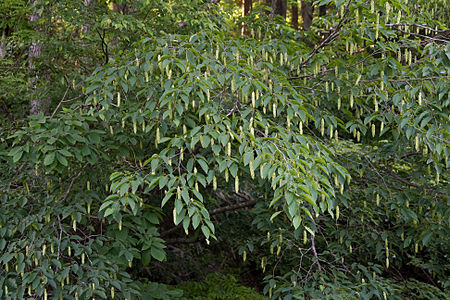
(18, 171)
(72, 182)
(60, 235)
(414, 25)
(214, 212)
(333, 35)
(313, 247)
(232, 207)
(104, 45)
(406, 79)
(60, 102)
(398, 178)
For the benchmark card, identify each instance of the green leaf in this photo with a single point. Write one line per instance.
(205, 231)
(165, 199)
(195, 221)
(106, 204)
(17, 156)
(65, 152)
(427, 238)
(49, 159)
(146, 257)
(204, 165)
(296, 221)
(274, 215)
(158, 254)
(62, 160)
(109, 211)
(248, 156)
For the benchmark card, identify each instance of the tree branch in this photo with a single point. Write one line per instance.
(72, 182)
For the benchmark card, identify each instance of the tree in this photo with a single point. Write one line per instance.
(307, 15)
(246, 9)
(294, 13)
(324, 152)
(279, 7)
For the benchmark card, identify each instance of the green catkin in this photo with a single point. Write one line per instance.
(358, 79)
(375, 102)
(388, 10)
(322, 127)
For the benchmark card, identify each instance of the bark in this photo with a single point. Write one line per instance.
(294, 11)
(123, 8)
(3, 44)
(279, 7)
(34, 51)
(246, 9)
(85, 26)
(307, 15)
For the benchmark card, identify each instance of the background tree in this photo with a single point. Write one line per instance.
(294, 13)
(246, 8)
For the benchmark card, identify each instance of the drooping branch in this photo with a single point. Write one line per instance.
(217, 211)
(233, 207)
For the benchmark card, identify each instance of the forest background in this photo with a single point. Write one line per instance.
(224, 149)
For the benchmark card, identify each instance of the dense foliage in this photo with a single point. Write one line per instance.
(146, 144)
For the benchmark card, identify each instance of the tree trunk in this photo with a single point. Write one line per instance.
(3, 44)
(34, 51)
(123, 8)
(307, 15)
(85, 26)
(279, 7)
(294, 11)
(246, 9)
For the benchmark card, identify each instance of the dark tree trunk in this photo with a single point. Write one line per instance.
(123, 8)
(246, 9)
(279, 7)
(294, 11)
(307, 15)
